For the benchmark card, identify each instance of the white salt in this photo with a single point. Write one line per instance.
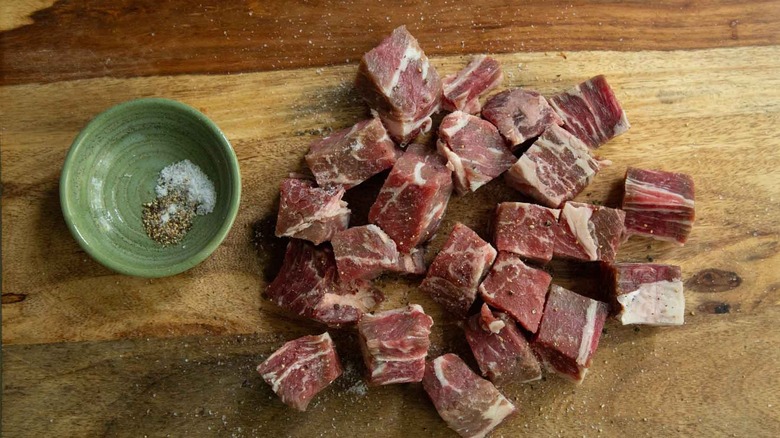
(189, 180)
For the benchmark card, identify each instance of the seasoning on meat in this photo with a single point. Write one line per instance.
(527, 230)
(589, 232)
(463, 89)
(569, 333)
(520, 115)
(475, 151)
(310, 213)
(364, 252)
(307, 285)
(413, 198)
(591, 111)
(469, 404)
(455, 273)
(394, 344)
(397, 81)
(301, 368)
(412, 262)
(517, 289)
(556, 168)
(353, 155)
(501, 351)
(645, 293)
(659, 204)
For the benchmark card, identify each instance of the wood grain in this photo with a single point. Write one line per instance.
(127, 38)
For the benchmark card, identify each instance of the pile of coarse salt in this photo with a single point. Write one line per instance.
(188, 179)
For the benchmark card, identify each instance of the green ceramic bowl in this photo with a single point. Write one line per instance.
(112, 170)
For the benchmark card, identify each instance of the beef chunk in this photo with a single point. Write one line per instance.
(364, 252)
(474, 149)
(463, 89)
(397, 81)
(412, 262)
(527, 230)
(353, 155)
(658, 204)
(588, 232)
(413, 198)
(569, 332)
(301, 369)
(394, 344)
(645, 293)
(469, 404)
(456, 271)
(310, 213)
(520, 115)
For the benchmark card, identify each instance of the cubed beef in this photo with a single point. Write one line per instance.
(394, 344)
(646, 293)
(502, 353)
(569, 332)
(554, 169)
(413, 198)
(353, 155)
(589, 232)
(412, 262)
(658, 204)
(397, 81)
(519, 115)
(591, 111)
(301, 369)
(364, 252)
(455, 273)
(463, 89)
(310, 213)
(474, 149)
(517, 289)
(527, 230)
(469, 404)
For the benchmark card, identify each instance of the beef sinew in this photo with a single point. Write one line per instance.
(527, 230)
(589, 232)
(520, 115)
(463, 89)
(310, 213)
(646, 293)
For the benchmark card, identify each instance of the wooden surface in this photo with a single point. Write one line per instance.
(87, 352)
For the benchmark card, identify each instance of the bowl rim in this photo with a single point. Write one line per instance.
(192, 261)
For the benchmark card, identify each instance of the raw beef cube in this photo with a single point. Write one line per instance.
(659, 204)
(589, 232)
(310, 213)
(516, 289)
(474, 149)
(413, 198)
(469, 404)
(364, 252)
(307, 285)
(501, 351)
(569, 332)
(456, 271)
(394, 344)
(556, 168)
(397, 81)
(301, 369)
(412, 262)
(520, 115)
(591, 112)
(463, 89)
(527, 230)
(645, 293)
(353, 155)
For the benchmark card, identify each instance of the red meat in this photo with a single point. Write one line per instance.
(520, 115)
(310, 213)
(527, 230)
(364, 252)
(589, 232)
(463, 89)
(645, 293)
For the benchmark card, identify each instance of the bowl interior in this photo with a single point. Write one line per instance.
(112, 170)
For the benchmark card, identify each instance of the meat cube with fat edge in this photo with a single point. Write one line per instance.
(412, 262)
(659, 204)
(363, 253)
(394, 344)
(307, 285)
(469, 404)
(310, 213)
(413, 198)
(501, 351)
(397, 81)
(454, 275)
(589, 232)
(353, 155)
(591, 111)
(527, 230)
(301, 368)
(646, 293)
(569, 332)
(463, 89)
(517, 289)
(519, 115)
(474, 150)
(555, 169)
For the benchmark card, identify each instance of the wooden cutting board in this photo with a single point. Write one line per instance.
(88, 352)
